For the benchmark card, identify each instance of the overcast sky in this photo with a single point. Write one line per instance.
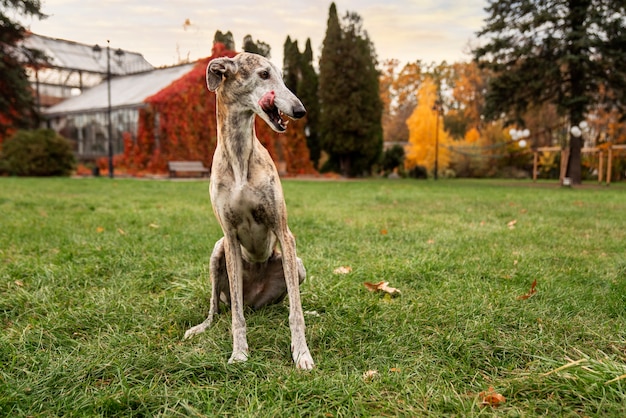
(429, 30)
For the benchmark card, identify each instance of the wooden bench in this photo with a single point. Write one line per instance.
(187, 167)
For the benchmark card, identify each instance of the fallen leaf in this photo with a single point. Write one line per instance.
(395, 370)
(511, 224)
(370, 374)
(531, 292)
(155, 226)
(121, 231)
(383, 232)
(381, 287)
(342, 270)
(491, 397)
(430, 241)
(99, 230)
(19, 283)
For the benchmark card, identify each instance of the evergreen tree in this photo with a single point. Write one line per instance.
(350, 108)
(225, 38)
(17, 104)
(307, 92)
(300, 77)
(561, 52)
(291, 65)
(258, 47)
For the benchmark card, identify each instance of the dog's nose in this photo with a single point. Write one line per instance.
(299, 112)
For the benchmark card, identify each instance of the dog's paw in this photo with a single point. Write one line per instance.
(198, 329)
(303, 360)
(238, 357)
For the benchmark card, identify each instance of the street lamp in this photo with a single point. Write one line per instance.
(118, 56)
(439, 109)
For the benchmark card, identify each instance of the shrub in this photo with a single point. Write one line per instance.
(393, 158)
(39, 152)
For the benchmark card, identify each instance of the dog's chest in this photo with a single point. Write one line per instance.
(246, 205)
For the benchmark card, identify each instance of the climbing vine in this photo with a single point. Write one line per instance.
(178, 123)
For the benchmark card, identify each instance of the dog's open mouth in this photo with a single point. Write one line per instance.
(275, 115)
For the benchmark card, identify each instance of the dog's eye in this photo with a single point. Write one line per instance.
(264, 74)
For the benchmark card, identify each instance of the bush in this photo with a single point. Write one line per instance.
(393, 158)
(39, 152)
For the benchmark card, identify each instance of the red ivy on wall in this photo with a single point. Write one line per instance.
(178, 123)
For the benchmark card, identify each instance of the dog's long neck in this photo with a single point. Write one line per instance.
(235, 137)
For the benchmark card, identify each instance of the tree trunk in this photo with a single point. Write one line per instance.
(574, 162)
(344, 165)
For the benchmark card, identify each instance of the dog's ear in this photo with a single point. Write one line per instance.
(217, 70)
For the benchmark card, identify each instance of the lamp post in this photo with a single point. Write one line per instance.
(119, 54)
(438, 109)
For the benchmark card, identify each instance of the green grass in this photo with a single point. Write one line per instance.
(99, 280)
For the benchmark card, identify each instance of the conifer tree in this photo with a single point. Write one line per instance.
(561, 52)
(225, 38)
(258, 47)
(350, 105)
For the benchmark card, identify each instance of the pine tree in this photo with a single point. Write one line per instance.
(562, 52)
(17, 104)
(307, 92)
(225, 38)
(258, 47)
(350, 108)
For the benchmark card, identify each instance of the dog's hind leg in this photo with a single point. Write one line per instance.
(219, 281)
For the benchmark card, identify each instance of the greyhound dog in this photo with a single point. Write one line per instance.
(246, 268)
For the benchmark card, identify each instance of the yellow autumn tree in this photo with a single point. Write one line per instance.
(423, 132)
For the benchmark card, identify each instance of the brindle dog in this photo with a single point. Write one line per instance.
(246, 268)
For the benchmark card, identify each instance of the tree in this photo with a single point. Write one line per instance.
(350, 105)
(397, 92)
(256, 47)
(559, 52)
(17, 105)
(425, 131)
(300, 77)
(226, 39)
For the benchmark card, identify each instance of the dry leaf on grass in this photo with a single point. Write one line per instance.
(370, 374)
(121, 231)
(342, 270)
(154, 226)
(99, 230)
(511, 224)
(491, 397)
(381, 287)
(531, 292)
(383, 232)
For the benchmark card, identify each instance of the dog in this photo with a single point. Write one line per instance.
(246, 268)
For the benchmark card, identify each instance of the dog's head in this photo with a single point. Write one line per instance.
(252, 82)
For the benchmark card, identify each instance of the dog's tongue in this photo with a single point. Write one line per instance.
(267, 101)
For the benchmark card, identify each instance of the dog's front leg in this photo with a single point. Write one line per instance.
(234, 266)
(299, 349)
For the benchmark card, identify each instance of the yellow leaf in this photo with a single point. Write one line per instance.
(155, 226)
(99, 230)
(121, 231)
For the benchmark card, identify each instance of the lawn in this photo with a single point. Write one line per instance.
(99, 280)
